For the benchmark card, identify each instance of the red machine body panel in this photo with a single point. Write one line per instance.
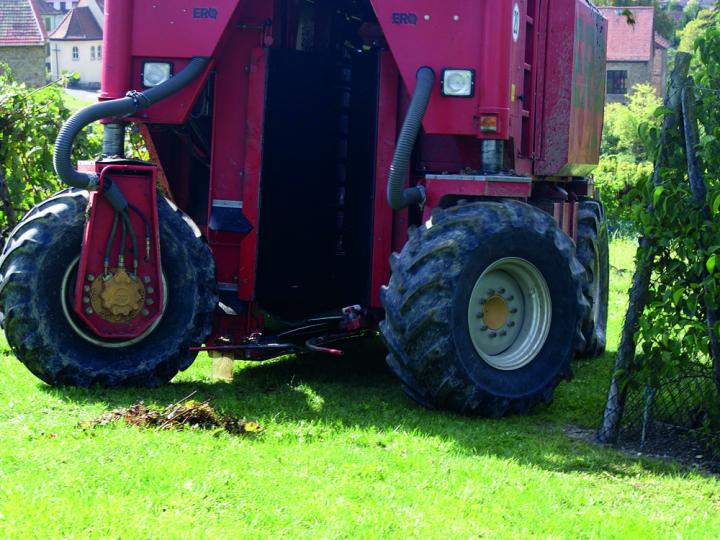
(538, 75)
(138, 184)
(455, 34)
(570, 117)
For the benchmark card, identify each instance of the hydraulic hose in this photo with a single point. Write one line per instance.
(399, 197)
(131, 103)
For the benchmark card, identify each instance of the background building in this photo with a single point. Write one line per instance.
(636, 53)
(22, 40)
(63, 6)
(76, 43)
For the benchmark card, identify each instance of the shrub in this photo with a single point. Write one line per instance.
(29, 123)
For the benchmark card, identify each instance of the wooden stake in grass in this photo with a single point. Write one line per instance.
(222, 366)
(646, 254)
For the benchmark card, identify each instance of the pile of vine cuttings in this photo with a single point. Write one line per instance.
(185, 414)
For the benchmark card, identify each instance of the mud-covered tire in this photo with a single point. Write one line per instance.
(427, 323)
(37, 254)
(593, 253)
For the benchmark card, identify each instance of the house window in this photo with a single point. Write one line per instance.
(48, 24)
(99, 52)
(92, 53)
(75, 53)
(617, 81)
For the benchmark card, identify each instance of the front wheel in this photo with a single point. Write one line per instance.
(37, 274)
(484, 309)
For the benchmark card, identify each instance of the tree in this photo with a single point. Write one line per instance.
(622, 133)
(694, 29)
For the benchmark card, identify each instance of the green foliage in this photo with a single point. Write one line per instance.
(625, 154)
(685, 244)
(616, 178)
(624, 124)
(29, 123)
(694, 29)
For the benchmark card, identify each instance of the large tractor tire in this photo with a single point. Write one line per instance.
(484, 309)
(593, 253)
(37, 278)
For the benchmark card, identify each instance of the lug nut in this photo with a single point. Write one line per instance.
(483, 328)
(482, 301)
(511, 324)
(150, 290)
(513, 310)
(86, 300)
(510, 298)
(502, 291)
(480, 315)
(90, 278)
(146, 279)
(503, 333)
(145, 312)
(149, 301)
(493, 334)
(86, 288)
(491, 292)
(89, 311)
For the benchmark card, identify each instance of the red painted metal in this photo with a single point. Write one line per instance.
(438, 188)
(570, 121)
(384, 149)
(455, 34)
(137, 183)
(237, 66)
(565, 214)
(117, 35)
(253, 169)
(538, 72)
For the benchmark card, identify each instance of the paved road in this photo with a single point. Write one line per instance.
(85, 95)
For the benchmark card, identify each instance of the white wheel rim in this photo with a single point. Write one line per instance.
(509, 313)
(92, 338)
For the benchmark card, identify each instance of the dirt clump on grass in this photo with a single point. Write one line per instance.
(184, 414)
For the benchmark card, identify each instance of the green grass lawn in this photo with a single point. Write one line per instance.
(344, 454)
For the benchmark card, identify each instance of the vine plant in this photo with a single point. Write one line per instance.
(29, 123)
(673, 334)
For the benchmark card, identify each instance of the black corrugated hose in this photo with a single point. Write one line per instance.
(115, 108)
(399, 197)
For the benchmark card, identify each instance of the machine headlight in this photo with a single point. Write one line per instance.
(458, 82)
(155, 73)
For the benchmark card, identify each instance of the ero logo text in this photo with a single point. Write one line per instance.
(404, 18)
(205, 13)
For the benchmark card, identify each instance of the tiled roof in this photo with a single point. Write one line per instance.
(630, 38)
(19, 24)
(661, 41)
(43, 8)
(78, 24)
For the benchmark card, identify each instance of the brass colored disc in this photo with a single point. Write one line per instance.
(118, 298)
(495, 312)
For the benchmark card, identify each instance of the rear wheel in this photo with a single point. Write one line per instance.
(593, 254)
(483, 309)
(37, 275)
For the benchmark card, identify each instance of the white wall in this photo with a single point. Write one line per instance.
(64, 5)
(61, 60)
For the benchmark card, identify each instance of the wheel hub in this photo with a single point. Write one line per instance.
(509, 313)
(117, 298)
(120, 296)
(495, 312)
